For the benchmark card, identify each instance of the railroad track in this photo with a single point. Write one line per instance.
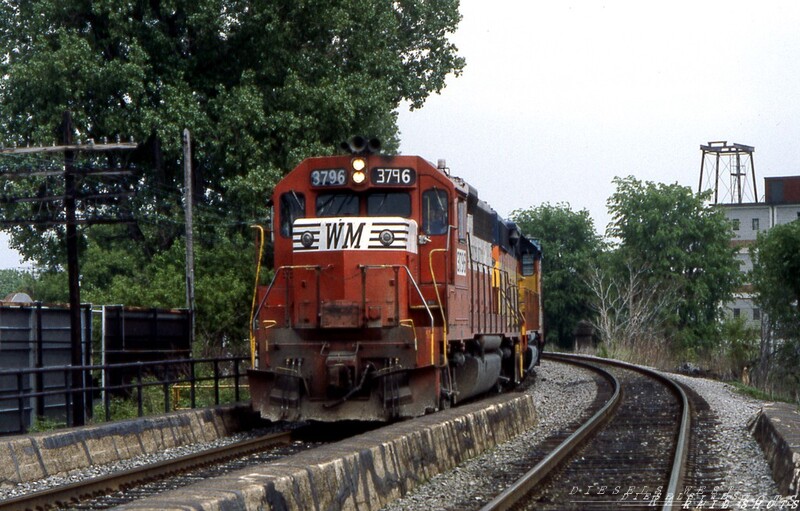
(68, 495)
(631, 452)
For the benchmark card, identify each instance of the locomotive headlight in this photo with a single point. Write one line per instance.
(387, 237)
(307, 239)
(359, 175)
(359, 164)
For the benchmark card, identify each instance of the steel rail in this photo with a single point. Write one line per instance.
(514, 493)
(94, 487)
(511, 495)
(675, 485)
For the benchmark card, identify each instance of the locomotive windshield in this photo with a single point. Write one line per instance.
(389, 204)
(378, 204)
(337, 204)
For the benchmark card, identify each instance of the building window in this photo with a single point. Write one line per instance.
(755, 224)
(798, 215)
(737, 313)
(756, 314)
(735, 223)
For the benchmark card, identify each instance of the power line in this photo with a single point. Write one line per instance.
(68, 206)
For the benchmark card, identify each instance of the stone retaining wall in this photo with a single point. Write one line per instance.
(776, 428)
(37, 456)
(364, 472)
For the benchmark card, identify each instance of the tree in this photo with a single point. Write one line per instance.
(630, 311)
(12, 281)
(776, 275)
(260, 84)
(776, 281)
(569, 247)
(683, 244)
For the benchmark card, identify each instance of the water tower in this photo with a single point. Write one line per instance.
(731, 173)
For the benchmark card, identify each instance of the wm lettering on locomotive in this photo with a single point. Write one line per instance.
(354, 233)
(342, 235)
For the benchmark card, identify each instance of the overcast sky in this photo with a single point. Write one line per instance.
(560, 97)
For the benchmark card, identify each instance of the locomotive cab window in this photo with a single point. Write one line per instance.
(528, 265)
(337, 204)
(434, 211)
(389, 204)
(293, 206)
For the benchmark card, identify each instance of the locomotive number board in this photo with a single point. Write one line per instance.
(392, 177)
(328, 177)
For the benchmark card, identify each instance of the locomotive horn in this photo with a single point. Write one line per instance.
(374, 145)
(357, 144)
(360, 145)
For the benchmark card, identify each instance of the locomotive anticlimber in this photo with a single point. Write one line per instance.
(396, 292)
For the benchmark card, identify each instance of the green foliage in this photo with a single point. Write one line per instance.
(121, 408)
(683, 244)
(570, 246)
(260, 85)
(776, 280)
(13, 281)
(738, 348)
(776, 276)
(753, 392)
(41, 424)
(179, 396)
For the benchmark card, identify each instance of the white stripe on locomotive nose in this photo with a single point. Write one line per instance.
(353, 233)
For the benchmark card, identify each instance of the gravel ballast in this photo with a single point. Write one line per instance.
(560, 394)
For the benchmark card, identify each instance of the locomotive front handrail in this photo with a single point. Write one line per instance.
(514, 291)
(419, 292)
(438, 296)
(409, 323)
(315, 267)
(261, 240)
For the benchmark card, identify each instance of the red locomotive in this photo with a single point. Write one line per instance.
(397, 292)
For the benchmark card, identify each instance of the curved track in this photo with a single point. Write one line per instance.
(631, 452)
(64, 496)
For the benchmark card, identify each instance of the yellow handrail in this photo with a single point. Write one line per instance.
(255, 296)
(439, 300)
(409, 323)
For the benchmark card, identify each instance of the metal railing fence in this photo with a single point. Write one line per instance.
(143, 382)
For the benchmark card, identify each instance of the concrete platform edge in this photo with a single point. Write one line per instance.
(361, 473)
(40, 455)
(776, 428)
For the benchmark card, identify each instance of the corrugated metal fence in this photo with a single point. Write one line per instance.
(35, 355)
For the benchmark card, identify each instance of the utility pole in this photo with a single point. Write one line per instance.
(69, 199)
(73, 275)
(188, 202)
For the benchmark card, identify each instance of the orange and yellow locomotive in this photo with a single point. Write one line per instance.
(396, 292)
